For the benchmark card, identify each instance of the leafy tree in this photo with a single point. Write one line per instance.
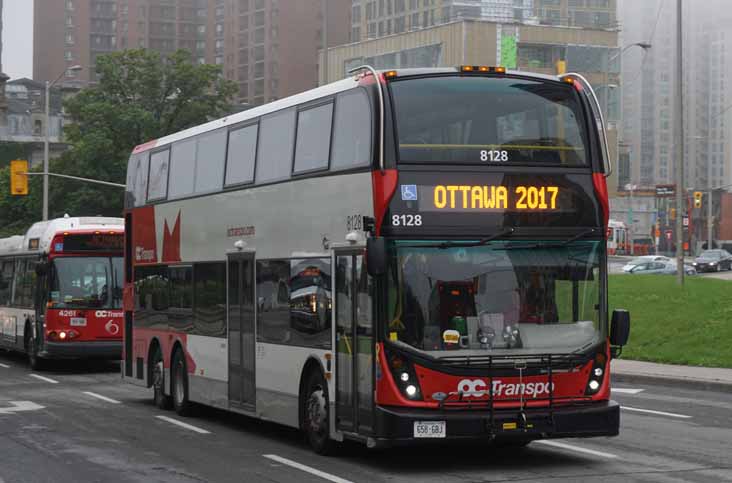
(140, 96)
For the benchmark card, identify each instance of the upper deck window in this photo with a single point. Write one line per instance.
(241, 155)
(137, 172)
(488, 120)
(276, 142)
(313, 138)
(158, 188)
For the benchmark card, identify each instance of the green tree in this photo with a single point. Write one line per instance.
(140, 96)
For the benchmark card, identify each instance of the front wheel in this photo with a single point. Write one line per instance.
(158, 381)
(179, 379)
(316, 423)
(31, 348)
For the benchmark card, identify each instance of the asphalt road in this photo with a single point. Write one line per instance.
(93, 428)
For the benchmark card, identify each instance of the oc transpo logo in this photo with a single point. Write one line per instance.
(112, 327)
(480, 388)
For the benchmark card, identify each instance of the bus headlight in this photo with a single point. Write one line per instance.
(403, 372)
(596, 374)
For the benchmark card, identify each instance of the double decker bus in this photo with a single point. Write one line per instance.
(61, 290)
(397, 256)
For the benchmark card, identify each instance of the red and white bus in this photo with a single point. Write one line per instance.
(617, 238)
(393, 257)
(61, 290)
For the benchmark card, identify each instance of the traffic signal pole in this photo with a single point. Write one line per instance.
(680, 190)
(710, 221)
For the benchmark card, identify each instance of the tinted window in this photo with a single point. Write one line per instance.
(158, 187)
(151, 296)
(275, 146)
(210, 299)
(182, 169)
(180, 310)
(6, 281)
(137, 179)
(479, 120)
(294, 302)
(210, 161)
(313, 138)
(241, 155)
(351, 130)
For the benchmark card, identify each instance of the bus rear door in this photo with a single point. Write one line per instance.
(242, 389)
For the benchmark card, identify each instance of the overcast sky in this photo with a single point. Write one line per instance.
(18, 38)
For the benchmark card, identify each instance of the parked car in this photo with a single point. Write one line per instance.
(713, 261)
(643, 260)
(660, 268)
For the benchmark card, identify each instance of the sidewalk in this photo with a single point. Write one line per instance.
(696, 377)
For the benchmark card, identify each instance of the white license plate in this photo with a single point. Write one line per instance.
(429, 429)
(78, 322)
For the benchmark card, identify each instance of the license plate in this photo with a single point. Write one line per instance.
(429, 429)
(78, 322)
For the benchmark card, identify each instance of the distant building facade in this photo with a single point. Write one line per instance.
(269, 47)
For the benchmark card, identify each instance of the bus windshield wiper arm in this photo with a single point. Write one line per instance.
(478, 243)
(553, 244)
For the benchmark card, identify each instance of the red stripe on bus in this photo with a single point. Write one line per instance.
(384, 186)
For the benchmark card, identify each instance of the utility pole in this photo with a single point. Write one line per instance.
(680, 190)
(710, 220)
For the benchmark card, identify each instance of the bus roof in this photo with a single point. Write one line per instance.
(44, 231)
(304, 97)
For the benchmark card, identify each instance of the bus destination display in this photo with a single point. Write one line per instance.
(93, 242)
(484, 197)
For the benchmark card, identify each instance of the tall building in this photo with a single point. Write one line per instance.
(269, 47)
(373, 19)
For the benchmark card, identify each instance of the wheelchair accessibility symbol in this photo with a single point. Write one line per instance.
(409, 192)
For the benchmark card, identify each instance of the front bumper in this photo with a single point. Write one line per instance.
(111, 350)
(396, 425)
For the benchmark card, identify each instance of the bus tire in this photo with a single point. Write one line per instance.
(179, 384)
(158, 380)
(315, 423)
(31, 349)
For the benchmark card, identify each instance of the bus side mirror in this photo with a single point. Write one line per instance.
(376, 256)
(41, 268)
(620, 327)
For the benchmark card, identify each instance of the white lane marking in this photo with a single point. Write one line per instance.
(42, 378)
(571, 447)
(4, 365)
(18, 406)
(183, 425)
(307, 469)
(659, 413)
(103, 398)
(623, 390)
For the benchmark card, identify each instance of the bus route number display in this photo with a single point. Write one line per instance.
(93, 242)
(482, 197)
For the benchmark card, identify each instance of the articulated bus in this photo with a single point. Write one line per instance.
(61, 290)
(394, 257)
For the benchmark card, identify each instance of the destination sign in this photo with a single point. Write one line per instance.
(485, 197)
(93, 242)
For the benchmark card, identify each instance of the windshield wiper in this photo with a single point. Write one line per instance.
(451, 244)
(562, 243)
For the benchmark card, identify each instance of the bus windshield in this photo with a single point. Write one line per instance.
(485, 120)
(86, 282)
(499, 298)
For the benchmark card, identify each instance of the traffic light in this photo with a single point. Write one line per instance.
(698, 199)
(18, 177)
(673, 214)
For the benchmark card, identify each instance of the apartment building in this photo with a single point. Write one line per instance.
(269, 47)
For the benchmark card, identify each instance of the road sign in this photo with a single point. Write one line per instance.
(686, 221)
(669, 234)
(665, 190)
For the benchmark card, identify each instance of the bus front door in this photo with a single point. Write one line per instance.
(354, 344)
(241, 330)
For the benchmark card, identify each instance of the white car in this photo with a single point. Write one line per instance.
(645, 259)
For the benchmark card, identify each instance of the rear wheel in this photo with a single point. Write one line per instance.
(179, 380)
(316, 423)
(158, 381)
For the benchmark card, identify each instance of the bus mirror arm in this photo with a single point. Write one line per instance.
(620, 328)
(376, 256)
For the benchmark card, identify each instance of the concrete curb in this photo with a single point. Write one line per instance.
(679, 382)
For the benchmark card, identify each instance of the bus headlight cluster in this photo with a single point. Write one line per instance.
(404, 376)
(596, 374)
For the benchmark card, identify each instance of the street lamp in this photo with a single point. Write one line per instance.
(74, 68)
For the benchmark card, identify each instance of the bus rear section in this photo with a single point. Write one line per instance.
(65, 296)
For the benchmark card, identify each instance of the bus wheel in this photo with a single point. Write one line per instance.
(179, 375)
(315, 414)
(35, 362)
(158, 381)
